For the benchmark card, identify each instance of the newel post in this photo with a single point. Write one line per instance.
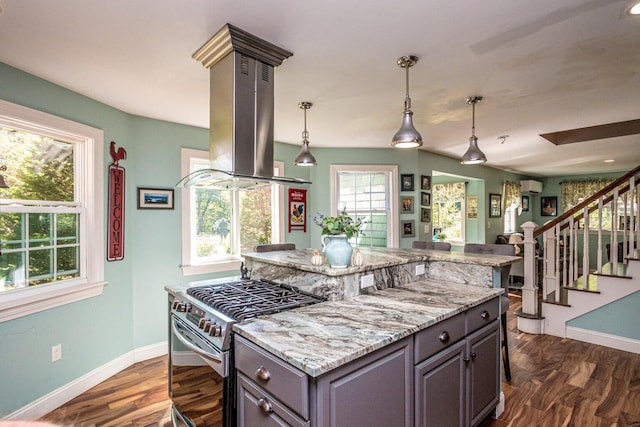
(530, 288)
(529, 318)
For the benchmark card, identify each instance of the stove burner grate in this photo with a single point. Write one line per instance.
(246, 299)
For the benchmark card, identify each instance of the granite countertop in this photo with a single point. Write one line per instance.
(324, 336)
(375, 258)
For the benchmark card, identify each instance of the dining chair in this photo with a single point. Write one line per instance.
(498, 249)
(438, 246)
(270, 247)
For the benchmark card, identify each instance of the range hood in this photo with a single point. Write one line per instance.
(241, 111)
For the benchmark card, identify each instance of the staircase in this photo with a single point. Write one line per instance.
(583, 282)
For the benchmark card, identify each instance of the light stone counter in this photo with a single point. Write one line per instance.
(390, 267)
(324, 336)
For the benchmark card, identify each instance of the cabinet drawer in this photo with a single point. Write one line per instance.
(438, 337)
(287, 384)
(258, 408)
(482, 315)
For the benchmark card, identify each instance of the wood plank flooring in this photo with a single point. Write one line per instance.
(555, 382)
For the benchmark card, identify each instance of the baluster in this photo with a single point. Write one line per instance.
(613, 249)
(599, 252)
(585, 248)
(632, 215)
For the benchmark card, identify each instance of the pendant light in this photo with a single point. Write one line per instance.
(473, 156)
(407, 136)
(305, 158)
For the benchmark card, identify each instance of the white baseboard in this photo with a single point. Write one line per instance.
(67, 392)
(613, 341)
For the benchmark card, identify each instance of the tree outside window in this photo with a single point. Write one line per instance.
(448, 209)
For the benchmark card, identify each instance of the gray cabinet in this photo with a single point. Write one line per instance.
(445, 375)
(457, 373)
(373, 391)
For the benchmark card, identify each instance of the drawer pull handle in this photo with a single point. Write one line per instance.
(466, 359)
(444, 336)
(473, 355)
(263, 373)
(485, 314)
(264, 405)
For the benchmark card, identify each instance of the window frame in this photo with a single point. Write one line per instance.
(233, 262)
(393, 232)
(89, 188)
(463, 212)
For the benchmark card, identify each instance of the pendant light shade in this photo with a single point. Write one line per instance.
(473, 156)
(305, 158)
(407, 136)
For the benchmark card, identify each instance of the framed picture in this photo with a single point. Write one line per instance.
(408, 229)
(525, 203)
(472, 207)
(425, 199)
(406, 182)
(425, 215)
(155, 198)
(406, 206)
(436, 231)
(495, 205)
(548, 206)
(425, 182)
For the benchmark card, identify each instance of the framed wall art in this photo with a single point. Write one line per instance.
(525, 203)
(155, 198)
(406, 182)
(408, 229)
(425, 199)
(425, 182)
(495, 205)
(406, 206)
(548, 206)
(425, 215)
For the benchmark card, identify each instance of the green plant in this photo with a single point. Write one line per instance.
(441, 236)
(341, 224)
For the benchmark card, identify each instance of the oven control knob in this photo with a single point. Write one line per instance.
(207, 325)
(181, 307)
(216, 330)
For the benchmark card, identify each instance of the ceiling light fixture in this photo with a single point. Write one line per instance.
(634, 9)
(473, 156)
(407, 136)
(305, 158)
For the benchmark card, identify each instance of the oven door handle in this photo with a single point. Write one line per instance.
(178, 333)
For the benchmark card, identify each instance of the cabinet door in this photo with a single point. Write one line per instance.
(256, 408)
(483, 350)
(440, 389)
(373, 391)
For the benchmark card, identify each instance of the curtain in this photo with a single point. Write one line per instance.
(511, 194)
(573, 192)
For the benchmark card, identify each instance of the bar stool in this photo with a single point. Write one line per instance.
(496, 249)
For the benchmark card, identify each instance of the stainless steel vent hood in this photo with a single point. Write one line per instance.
(241, 111)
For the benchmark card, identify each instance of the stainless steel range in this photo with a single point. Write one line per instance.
(201, 318)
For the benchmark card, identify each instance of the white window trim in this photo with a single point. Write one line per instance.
(21, 302)
(393, 239)
(232, 263)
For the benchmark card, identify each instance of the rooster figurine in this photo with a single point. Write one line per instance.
(121, 154)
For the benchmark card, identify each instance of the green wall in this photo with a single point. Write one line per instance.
(620, 318)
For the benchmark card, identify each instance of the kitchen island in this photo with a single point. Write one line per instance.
(425, 353)
(413, 349)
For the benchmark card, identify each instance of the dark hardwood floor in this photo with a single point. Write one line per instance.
(555, 382)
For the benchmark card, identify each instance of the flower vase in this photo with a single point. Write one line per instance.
(337, 250)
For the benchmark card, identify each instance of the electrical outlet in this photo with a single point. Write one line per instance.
(419, 269)
(56, 352)
(366, 281)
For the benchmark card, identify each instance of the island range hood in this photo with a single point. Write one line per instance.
(241, 112)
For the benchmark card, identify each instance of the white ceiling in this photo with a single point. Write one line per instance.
(541, 65)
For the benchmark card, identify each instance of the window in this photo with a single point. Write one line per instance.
(47, 229)
(448, 209)
(219, 225)
(510, 218)
(367, 192)
(574, 192)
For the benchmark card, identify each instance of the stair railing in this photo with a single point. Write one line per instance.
(561, 261)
